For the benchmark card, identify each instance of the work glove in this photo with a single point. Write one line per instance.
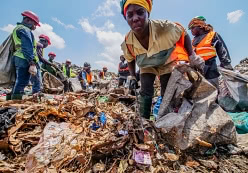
(54, 65)
(134, 83)
(227, 66)
(32, 69)
(197, 62)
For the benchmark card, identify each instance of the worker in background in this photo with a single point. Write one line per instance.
(36, 80)
(208, 44)
(123, 71)
(68, 70)
(85, 76)
(103, 73)
(156, 46)
(50, 67)
(24, 58)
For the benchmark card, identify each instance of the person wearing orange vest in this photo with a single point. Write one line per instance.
(103, 73)
(156, 46)
(85, 76)
(208, 44)
(123, 71)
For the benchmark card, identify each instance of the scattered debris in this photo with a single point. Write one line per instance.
(96, 132)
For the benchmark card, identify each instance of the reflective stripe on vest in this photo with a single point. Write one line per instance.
(122, 70)
(36, 58)
(205, 48)
(178, 54)
(18, 43)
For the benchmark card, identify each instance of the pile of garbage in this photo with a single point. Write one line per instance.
(242, 67)
(102, 132)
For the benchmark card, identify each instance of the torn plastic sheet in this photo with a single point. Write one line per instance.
(7, 118)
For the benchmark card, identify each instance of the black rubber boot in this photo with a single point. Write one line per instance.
(16, 96)
(8, 96)
(145, 103)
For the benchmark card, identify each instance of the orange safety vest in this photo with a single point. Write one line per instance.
(121, 70)
(102, 75)
(178, 54)
(205, 48)
(89, 77)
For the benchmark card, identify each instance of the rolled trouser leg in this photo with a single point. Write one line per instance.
(145, 103)
(146, 94)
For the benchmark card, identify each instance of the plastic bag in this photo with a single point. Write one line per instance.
(199, 118)
(57, 143)
(240, 120)
(75, 85)
(7, 70)
(233, 90)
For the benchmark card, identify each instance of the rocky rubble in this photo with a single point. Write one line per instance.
(242, 67)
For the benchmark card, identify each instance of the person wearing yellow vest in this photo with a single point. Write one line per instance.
(67, 70)
(103, 73)
(208, 44)
(156, 46)
(123, 71)
(85, 76)
(36, 80)
(24, 58)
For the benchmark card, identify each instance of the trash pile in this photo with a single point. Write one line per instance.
(102, 132)
(242, 67)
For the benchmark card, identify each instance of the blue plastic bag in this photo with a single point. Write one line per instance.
(94, 126)
(157, 106)
(240, 120)
(103, 118)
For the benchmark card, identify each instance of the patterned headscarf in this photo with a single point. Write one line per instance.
(147, 4)
(201, 22)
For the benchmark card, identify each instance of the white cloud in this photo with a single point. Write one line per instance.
(86, 26)
(57, 41)
(110, 40)
(9, 28)
(105, 9)
(69, 26)
(234, 16)
(47, 29)
(111, 66)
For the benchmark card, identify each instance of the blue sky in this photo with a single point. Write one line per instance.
(92, 30)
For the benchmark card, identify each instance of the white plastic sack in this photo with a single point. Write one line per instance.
(199, 117)
(7, 70)
(56, 145)
(233, 94)
(75, 85)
